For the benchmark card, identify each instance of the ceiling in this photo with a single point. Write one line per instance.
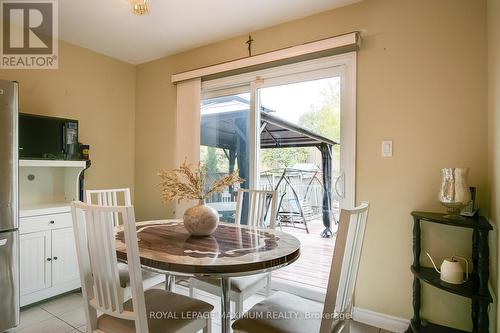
(109, 26)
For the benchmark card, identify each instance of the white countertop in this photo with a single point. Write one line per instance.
(45, 209)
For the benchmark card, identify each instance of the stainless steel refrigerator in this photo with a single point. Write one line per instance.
(9, 207)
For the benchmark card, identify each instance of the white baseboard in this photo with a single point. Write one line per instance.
(381, 320)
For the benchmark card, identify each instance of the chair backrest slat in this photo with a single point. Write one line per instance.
(344, 268)
(262, 206)
(96, 257)
(110, 198)
(96, 249)
(239, 207)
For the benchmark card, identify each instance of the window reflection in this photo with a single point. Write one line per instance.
(224, 136)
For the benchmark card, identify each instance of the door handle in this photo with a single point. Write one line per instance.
(55, 258)
(49, 259)
(340, 194)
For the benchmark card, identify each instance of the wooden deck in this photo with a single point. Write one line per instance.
(313, 267)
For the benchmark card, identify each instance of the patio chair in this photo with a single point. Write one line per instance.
(261, 214)
(335, 314)
(114, 198)
(99, 276)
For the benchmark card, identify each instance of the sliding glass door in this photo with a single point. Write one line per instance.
(299, 157)
(289, 129)
(299, 152)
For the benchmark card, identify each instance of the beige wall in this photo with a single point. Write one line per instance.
(494, 114)
(421, 82)
(98, 91)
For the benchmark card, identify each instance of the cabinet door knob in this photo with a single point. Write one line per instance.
(51, 222)
(49, 259)
(55, 258)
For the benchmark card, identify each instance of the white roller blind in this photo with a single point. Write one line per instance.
(187, 135)
(313, 50)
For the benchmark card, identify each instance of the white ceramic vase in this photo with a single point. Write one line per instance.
(201, 220)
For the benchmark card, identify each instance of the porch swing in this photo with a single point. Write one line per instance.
(294, 206)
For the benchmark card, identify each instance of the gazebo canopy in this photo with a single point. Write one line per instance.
(279, 133)
(220, 117)
(225, 124)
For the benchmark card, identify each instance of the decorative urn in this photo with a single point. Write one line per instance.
(201, 220)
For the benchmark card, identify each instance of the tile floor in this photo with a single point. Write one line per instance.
(65, 314)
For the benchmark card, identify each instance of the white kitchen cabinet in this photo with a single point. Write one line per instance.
(48, 261)
(35, 250)
(64, 260)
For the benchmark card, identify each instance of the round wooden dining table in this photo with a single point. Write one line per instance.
(232, 250)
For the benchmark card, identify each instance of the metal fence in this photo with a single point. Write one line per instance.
(307, 186)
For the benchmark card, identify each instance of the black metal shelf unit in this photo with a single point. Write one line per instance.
(476, 288)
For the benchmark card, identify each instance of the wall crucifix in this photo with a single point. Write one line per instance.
(249, 43)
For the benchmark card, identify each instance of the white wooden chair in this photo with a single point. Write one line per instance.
(335, 314)
(114, 198)
(95, 242)
(262, 206)
(109, 198)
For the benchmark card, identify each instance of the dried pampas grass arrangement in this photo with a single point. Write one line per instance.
(187, 183)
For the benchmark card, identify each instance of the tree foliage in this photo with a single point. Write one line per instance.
(210, 162)
(324, 119)
(214, 159)
(275, 158)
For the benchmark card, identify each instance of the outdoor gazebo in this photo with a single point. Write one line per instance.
(225, 125)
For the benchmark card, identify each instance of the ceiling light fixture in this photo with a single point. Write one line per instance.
(140, 7)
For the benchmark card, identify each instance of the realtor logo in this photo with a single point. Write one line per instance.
(29, 34)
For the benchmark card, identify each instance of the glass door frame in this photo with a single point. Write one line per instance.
(343, 65)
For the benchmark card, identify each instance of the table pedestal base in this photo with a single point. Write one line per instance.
(225, 284)
(170, 282)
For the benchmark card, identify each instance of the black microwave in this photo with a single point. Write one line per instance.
(42, 137)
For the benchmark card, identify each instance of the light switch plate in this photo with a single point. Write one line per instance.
(387, 148)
